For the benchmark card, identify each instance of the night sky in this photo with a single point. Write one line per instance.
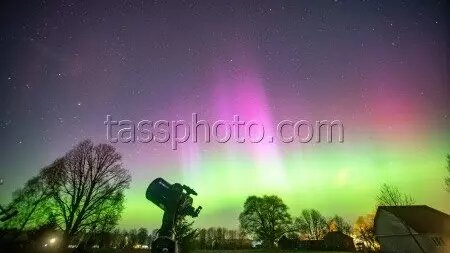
(381, 67)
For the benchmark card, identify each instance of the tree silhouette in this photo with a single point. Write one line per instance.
(33, 202)
(266, 218)
(390, 195)
(106, 218)
(87, 186)
(116, 238)
(210, 236)
(363, 230)
(311, 224)
(132, 237)
(142, 236)
(337, 223)
(201, 239)
(221, 239)
(185, 234)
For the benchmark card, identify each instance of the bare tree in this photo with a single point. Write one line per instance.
(311, 224)
(84, 183)
(390, 195)
(337, 223)
(363, 230)
(210, 235)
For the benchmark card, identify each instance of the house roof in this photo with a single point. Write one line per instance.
(421, 218)
(336, 234)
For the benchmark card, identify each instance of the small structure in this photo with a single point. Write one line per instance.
(412, 229)
(338, 241)
(286, 243)
(331, 241)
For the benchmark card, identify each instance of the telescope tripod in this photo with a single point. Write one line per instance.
(176, 202)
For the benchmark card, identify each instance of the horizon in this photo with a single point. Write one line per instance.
(378, 67)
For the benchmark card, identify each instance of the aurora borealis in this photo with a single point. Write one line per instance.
(381, 67)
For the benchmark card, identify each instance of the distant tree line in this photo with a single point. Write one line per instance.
(118, 239)
(221, 239)
(267, 219)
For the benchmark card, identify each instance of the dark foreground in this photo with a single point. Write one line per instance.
(197, 251)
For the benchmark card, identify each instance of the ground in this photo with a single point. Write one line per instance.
(228, 251)
(261, 251)
(198, 251)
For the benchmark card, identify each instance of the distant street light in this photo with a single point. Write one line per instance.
(52, 240)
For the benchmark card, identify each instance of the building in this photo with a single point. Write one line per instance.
(412, 229)
(331, 241)
(311, 245)
(338, 241)
(286, 243)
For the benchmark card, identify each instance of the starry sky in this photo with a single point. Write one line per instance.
(381, 67)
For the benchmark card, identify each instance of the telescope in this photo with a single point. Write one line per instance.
(176, 202)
